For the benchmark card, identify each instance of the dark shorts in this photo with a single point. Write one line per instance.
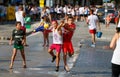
(115, 70)
(20, 47)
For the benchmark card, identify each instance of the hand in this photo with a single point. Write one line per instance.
(62, 21)
(23, 42)
(10, 43)
(106, 47)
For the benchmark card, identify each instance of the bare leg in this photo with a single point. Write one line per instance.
(44, 37)
(13, 58)
(57, 58)
(93, 38)
(65, 61)
(52, 54)
(47, 38)
(57, 61)
(23, 57)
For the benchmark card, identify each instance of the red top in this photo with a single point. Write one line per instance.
(68, 33)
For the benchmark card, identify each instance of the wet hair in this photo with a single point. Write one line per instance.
(70, 17)
(118, 29)
(18, 22)
(54, 21)
(20, 7)
(92, 11)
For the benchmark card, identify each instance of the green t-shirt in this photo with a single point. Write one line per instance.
(18, 36)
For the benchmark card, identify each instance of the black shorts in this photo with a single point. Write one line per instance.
(115, 70)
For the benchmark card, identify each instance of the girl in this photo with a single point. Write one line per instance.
(57, 43)
(45, 21)
(108, 19)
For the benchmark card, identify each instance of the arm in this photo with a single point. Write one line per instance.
(23, 40)
(98, 23)
(87, 21)
(10, 42)
(69, 29)
(61, 25)
(12, 37)
(24, 14)
(24, 37)
(113, 41)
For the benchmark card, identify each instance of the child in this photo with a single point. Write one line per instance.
(44, 25)
(18, 36)
(57, 43)
(108, 19)
(67, 43)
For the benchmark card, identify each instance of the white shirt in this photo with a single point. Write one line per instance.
(68, 10)
(116, 54)
(73, 12)
(92, 21)
(19, 17)
(57, 38)
(59, 10)
(65, 10)
(81, 10)
(118, 23)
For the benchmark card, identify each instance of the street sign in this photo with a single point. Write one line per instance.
(106, 0)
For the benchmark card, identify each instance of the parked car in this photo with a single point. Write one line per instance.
(101, 15)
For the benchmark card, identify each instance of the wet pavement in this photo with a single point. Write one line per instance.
(86, 62)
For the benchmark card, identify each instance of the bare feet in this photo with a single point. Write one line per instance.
(66, 68)
(24, 66)
(11, 66)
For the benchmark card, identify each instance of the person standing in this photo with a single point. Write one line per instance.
(108, 19)
(20, 15)
(18, 36)
(92, 22)
(115, 61)
(115, 43)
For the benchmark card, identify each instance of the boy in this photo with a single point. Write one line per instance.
(18, 36)
(67, 43)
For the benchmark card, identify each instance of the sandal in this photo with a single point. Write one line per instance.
(57, 68)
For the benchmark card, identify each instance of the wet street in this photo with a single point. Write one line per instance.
(86, 62)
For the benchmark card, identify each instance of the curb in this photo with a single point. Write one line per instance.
(4, 38)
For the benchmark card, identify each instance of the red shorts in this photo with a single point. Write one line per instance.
(57, 47)
(68, 47)
(23, 28)
(92, 31)
(116, 19)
